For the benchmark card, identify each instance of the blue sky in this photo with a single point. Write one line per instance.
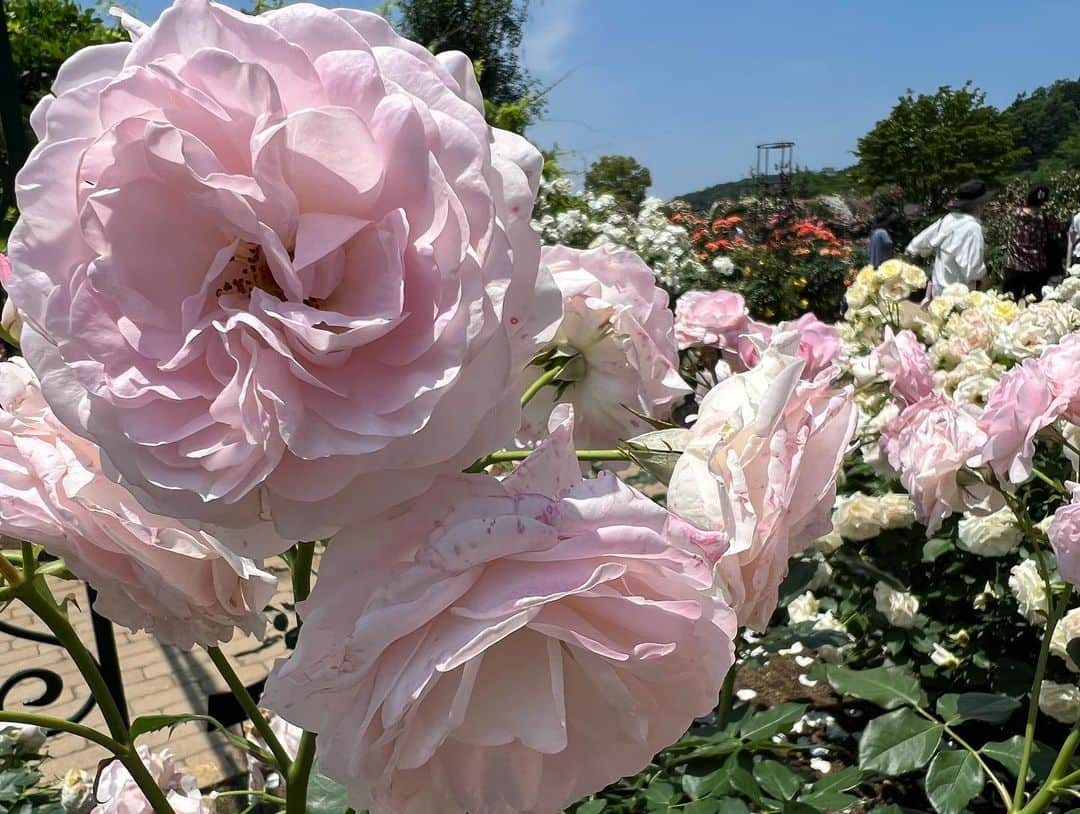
(689, 87)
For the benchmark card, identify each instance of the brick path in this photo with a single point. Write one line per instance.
(157, 680)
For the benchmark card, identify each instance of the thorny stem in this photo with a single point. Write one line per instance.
(251, 709)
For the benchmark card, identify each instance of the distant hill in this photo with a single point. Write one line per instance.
(806, 184)
(1048, 121)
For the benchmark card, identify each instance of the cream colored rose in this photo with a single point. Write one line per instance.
(803, 608)
(994, 535)
(860, 517)
(1066, 630)
(1060, 701)
(898, 607)
(1029, 589)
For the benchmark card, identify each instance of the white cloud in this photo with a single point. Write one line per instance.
(552, 24)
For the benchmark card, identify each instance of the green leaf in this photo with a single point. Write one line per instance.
(858, 565)
(324, 796)
(1008, 753)
(976, 706)
(152, 723)
(661, 796)
(829, 801)
(777, 779)
(763, 725)
(843, 780)
(718, 805)
(591, 807)
(14, 781)
(898, 742)
(800, 574)
(935, 547)
(708, 785)
(888, 687)
(953, 780)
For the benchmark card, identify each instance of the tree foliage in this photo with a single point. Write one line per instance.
(931, 142)
(620, 176)
(1046, 119)
(488, 31)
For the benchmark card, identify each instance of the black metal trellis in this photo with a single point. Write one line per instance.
(53, 684)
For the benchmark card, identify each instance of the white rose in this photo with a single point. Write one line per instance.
(21, 739)
(898, 607)
(943, 658)
(1028, 588)
(803, 608)
(822, 576)
(988, 596)
(829, 543)
(994, 535)
(1060, 701)
(10, 321)
(1066, 630)
(861, 517)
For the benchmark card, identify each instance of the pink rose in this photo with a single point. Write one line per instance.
(760, 464)
(118, 793)
(277, 266)
(903, 362)
(819, 343)
(1064, 534)
(928, 444)
(502, 646)
(1021, 403)
(616, 320)
(713, 319)
(1060, 363)
(151, 572)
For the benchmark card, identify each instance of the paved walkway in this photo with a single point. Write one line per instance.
(157, 680)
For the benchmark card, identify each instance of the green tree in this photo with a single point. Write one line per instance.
(40, 35)
(620, 176)
(931, 142)
(488, 31)
(1045, 118)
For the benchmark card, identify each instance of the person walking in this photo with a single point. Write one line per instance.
(880, 245)
(1027, 244)
(1072, 256)
(955, 240)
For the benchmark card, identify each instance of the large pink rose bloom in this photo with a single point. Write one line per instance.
(1022, 403)
(277, 266)
(150, 572)
(819, 343)
(118, 793)
(928, 444)
(712, 319)
(616, 320)
(760, 463)
(903, 362)
(1064, 534)
(506, 646)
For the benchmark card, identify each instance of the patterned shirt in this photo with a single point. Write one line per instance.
(1029, 235)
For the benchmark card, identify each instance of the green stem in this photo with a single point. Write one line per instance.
(727, 697)
(262, 795)
(1056, 612)
(61, 725)
(301, 570)
(507, 455)
(296, 779)
(251, 709)
(1053, 483)
(547, 378)
(35, 594)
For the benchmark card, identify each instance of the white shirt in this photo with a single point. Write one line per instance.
(956, 241)
(1075, 229)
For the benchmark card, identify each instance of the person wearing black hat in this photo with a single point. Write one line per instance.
(955, 240)
(1030, 230)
